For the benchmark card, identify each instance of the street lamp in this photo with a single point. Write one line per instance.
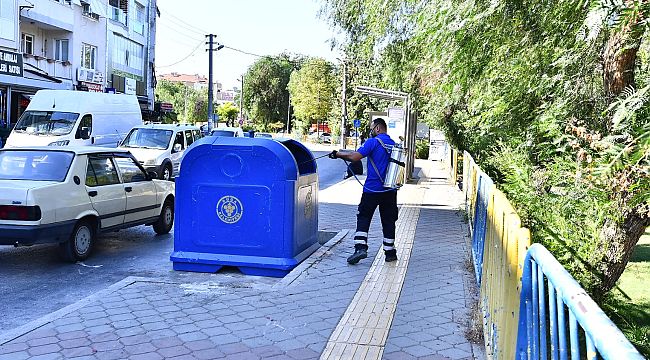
(344, 110)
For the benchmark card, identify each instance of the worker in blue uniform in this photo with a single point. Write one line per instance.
(377, 149)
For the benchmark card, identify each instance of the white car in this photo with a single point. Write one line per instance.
(160, 147)
(263, 135)
(68, 195)
(227, 132)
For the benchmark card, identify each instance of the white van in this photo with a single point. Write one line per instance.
(67, 117)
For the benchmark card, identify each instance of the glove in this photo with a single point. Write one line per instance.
(332, 155)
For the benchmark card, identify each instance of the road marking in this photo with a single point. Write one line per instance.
(363, 329)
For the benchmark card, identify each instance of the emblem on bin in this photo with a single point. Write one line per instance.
(229, 209)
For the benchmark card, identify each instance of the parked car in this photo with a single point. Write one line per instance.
(67, 195)
(228, 131)
(67, 117)
(325, 137)
(160, 147)
(263, 135)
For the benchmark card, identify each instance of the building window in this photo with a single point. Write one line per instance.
(127, 53)
(88, 56)
(138, 25)
(119, 10)
(8, 19)
(61, 49)
(27, 43)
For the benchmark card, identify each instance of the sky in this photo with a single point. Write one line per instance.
(260, 27)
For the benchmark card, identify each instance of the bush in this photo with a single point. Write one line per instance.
(422, 149)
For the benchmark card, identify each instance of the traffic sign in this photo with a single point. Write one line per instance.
(357, 123)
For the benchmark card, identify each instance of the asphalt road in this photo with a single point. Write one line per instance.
(35, 282)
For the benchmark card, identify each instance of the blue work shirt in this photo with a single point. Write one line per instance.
(372, 149)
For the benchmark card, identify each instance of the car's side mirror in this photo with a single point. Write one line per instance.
(153, 175)
(177, 147)
(84, 133)
(138, 177)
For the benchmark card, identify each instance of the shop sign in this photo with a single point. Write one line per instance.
(11, 63)
(92, 87)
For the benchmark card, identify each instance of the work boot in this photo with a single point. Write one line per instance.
(391, 255)
(360, 252)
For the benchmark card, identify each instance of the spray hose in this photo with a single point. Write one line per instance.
(352, 172)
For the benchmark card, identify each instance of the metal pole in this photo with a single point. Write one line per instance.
(344, 110)
(288, 114)
(210, 110)
(241, 101)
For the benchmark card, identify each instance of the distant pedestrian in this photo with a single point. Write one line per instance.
(377, 149)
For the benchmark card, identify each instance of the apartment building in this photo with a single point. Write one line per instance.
(84, 45)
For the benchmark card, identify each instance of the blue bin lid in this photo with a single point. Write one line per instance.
(295, 158)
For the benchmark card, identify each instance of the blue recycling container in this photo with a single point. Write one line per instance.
(251, 203)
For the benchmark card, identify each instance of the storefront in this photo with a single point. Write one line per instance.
(18, 84)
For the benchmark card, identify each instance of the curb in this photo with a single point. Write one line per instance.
(311, 260)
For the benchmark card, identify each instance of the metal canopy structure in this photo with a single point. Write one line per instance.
(409, 120)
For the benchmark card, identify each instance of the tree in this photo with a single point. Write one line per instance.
(313, 90)
(228, 112)
(549, 98)
(266, 97)
(189, 105)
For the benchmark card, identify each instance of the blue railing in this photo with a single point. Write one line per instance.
(484, 189)
(542, 332)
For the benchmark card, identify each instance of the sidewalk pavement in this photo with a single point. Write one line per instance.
(417, 307)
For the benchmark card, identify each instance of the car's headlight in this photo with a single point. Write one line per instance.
(59, 143)
(150, 162)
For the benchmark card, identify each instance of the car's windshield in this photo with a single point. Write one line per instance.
(46, 122)
(148, 138)
(34, 165)
(223, 133)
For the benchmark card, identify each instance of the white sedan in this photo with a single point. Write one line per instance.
(68, 195)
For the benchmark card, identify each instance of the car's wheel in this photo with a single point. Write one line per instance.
(166, 173)
(166, 218)
(81, 242)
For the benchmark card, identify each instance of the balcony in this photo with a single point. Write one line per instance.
(50, 15)
(54, 68)
(117, 14)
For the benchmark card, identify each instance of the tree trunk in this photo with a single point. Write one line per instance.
(620, 240)
(619, 59)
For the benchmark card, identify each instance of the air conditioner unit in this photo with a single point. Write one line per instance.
(90, 75)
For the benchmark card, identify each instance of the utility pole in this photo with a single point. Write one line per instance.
(344, 109)
(210, 110)
(210, 81)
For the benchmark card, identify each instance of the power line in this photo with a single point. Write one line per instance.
(180, 26)
(242, 51)
(185, 58)
(201, 31)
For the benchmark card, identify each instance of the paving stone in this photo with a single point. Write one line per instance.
(19, 355)
(43, 349)
(303, 354)
(224, 339)
(142, 348)
(174, 351)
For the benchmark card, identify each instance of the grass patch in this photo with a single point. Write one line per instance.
(633, 315)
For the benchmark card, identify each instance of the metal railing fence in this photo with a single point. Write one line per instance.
(544, 305)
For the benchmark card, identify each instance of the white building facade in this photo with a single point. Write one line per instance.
(85, 45)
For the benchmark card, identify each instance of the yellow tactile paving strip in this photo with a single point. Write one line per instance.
(362, 331)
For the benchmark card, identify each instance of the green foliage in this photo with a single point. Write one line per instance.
(266, 98)
(421, 149)
(189, 105)
(312, 90)
(520, 86)
(228, 112)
